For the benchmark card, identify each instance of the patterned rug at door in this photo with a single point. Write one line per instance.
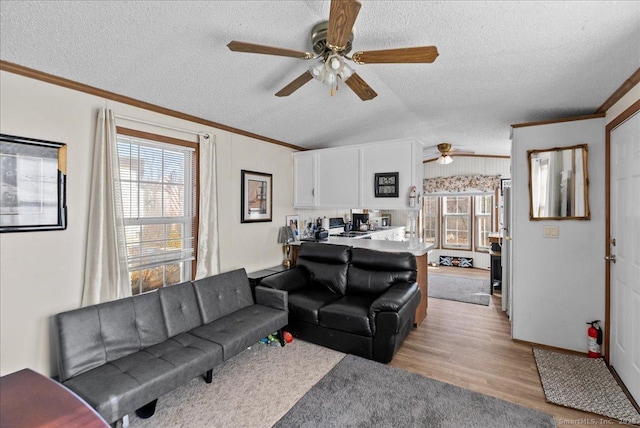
(583, 383)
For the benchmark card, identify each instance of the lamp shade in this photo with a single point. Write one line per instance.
(285, 235)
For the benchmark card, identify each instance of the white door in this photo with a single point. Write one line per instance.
(506, 252)
(625, 272)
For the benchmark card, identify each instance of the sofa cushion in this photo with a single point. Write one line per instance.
(122, 386)
(304, 306)
(372, 272)
(179, 308)
(325, 264)
(149, 319)
(349, 314)
(236, 331)
(222, 294)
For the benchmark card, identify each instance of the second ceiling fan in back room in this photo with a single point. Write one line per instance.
(332, 41)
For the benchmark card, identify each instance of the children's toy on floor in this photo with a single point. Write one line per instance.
(271, 340)
(288, 337)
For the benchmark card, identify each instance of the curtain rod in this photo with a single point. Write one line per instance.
(187, 131)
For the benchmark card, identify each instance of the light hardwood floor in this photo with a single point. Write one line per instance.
(470, 346)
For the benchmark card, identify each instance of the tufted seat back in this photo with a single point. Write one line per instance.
(372, 272)
(92, 336)
(223, 294)
(325, 265)
(179, 307)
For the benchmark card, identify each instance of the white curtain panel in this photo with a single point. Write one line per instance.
(208, 260)
(106, 276)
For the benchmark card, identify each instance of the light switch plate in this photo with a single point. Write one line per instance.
(550, 231)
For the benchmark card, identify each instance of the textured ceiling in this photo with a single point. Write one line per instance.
(500, 63)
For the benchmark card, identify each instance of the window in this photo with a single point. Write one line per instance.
(430, 222)
(483, 209)
(158, 181)
(456, 216)
(458, 222)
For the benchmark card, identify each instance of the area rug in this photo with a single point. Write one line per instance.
(583, 383)
(253, 389)
(364, 393)
(468, 290)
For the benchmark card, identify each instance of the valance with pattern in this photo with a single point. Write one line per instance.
(461, 183)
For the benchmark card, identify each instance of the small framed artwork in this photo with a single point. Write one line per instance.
(32, 184)
(504, 184)
(293, 221)
(257, 198)
(386, 185)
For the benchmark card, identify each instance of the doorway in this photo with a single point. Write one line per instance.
(622, 302)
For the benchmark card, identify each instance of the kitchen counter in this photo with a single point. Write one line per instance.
(390, 246)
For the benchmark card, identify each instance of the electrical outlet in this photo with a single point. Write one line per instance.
(550, 231)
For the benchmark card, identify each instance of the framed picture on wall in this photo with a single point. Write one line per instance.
(32, 184)
(257, 197)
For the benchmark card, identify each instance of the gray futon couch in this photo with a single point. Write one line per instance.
(122, 355)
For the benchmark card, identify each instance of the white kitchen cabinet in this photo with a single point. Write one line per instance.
(403, 157)
(304, 181)
(344, 177)
(338, 178)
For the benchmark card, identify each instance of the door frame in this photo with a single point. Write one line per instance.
(630, 111)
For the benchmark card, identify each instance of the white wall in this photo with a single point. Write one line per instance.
(558, 284)
(467, 165)
(41, 273)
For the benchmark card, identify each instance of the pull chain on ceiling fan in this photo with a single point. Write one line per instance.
(331, 42)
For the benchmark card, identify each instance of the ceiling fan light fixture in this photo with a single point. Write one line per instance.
(444, 160)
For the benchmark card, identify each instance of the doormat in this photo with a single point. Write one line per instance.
(465, 262)
(583, 383)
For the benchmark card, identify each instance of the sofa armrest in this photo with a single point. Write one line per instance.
(400, 301)
(288, 280)
(277, 299)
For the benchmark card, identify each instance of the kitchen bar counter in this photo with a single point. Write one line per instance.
(420, 251)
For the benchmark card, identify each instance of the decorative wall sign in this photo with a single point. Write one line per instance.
(386, 185)
(32, 184)
(257, 194)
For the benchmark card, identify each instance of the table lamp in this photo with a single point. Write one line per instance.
(285, 235)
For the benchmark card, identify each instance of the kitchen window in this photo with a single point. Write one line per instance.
(483, 208)
(430, 223)
(456, 222)
(159, 189)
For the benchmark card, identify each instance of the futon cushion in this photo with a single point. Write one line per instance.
(222, 294)
(236, 331)
(349, 314)
(179, 308)
(304, 306)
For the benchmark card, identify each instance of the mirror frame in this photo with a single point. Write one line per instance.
(587, 213)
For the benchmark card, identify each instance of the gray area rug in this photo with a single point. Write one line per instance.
(583, 383)
(363, 393)
(253, 389)
(468, 290)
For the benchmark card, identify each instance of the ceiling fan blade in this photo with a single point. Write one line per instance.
(421, 54)
(267, 50)
(342, 16)
(294, 85)
(360, 87)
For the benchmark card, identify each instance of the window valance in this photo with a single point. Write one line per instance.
(461, 183)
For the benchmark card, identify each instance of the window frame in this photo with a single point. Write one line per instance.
(476, 221)
(195, 186)
(468, 215)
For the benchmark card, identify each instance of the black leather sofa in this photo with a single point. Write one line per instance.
(354, 300)
(122, 355)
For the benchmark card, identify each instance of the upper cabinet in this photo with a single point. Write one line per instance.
(345, 177)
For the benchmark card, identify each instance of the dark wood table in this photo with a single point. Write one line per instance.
(29, 399)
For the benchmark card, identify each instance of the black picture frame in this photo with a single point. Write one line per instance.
(33, 184)
(386, 184)
(256, 197)
(504, 183)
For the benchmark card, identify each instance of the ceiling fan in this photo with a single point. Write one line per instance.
(332, 41)
(446, 151)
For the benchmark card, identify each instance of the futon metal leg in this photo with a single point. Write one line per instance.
(208, 376)
(147, 410)
(281, 337)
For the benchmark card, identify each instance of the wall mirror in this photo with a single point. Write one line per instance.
(558, 183)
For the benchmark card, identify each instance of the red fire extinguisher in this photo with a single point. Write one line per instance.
(594, 336)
